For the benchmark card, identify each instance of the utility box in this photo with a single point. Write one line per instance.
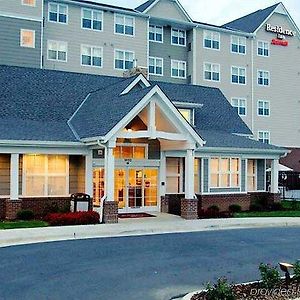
(80, 202)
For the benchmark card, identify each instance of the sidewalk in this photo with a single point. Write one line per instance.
(162, 224)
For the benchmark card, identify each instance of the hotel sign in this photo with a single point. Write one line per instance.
(281, 33)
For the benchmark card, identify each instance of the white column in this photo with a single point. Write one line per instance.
(14, 176)
(89, 174)
(163, 173)
(151, 120)
(189, 174)
(110, 174)
(274, 176)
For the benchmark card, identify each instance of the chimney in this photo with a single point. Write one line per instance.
(136, 70)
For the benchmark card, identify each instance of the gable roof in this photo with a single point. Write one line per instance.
(251, 22)
(144, 6)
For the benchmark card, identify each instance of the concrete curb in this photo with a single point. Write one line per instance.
(136, 228)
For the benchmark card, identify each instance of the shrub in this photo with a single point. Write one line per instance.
(255, 207)
(220, 291)
(214, 208)
(76, 218)
(297, 270)
(277, 206)
(25, 215)
(235, 208)
(270, 276)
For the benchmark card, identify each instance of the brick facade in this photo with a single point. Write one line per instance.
(12, 208)
(2, 209)
(189, 209)
(110, 212)
(164, 204)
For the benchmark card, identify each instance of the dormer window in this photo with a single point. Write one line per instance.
(188, 114)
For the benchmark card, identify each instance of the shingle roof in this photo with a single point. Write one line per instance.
(251, 22)
(144, 6)
(216, 112)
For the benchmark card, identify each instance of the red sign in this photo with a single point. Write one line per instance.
(278, 42)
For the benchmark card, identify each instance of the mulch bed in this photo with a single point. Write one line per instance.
(135, 215)
(254, 291)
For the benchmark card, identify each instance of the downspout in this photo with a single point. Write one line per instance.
(252, 86)
(105, 172)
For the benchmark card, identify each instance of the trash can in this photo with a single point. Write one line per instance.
(80, 202)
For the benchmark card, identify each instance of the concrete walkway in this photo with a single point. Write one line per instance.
(163, 223)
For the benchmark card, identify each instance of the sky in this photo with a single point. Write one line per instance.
(219, 12)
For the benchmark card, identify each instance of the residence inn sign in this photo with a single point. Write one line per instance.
(281, 33)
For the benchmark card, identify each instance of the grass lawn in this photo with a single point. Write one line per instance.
(22, 224)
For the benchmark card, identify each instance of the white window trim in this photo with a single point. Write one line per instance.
(67, 13)
(264, 131)
(211, 80)
(179, 175)
(240, 98)
(229, 173)
(134, 145)
(269, 78)
(219, 40)
(185, 37)
(61, 61)
(25, 4)
(37, 196)
(239, 37)
(178, 61)
(162, 60)
(114, 62)
(237, 83)
(92, 10)
(21, 42)
(162, 37)
(269, 48)
(124, 16)
(264, 101)
(91, 66)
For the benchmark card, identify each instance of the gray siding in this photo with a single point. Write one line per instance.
(167, 51)
(205, 175)
(75, 36)
(261, 173)
(15, 8)
(243, 175)
(11, 53)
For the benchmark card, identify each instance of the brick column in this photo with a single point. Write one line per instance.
(12, 208)
(189, 209)
(164, 204)
(110, 212)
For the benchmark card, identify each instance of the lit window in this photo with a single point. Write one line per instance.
(178, 69)
(238, 75)
(45, 175)
(57, 51)
(124, 25)
(188, 114)
(27, 38)
(197, 168)
(178, 37)
(130, 152)
(174, 174)
(124, 59)
(264, 137)
(240, 105)
(263, 78)
(251, 175)
(98, 185)
(263, 48)
(225, 172)
(156, 33)
(211, 40)
(28, 2)
(92, 19)
(238, 44)
(211, 72)
(91, 56)
(58, 13)
(263, 108)
(156, 66)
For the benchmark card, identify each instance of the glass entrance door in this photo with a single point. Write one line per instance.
(136, 188)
